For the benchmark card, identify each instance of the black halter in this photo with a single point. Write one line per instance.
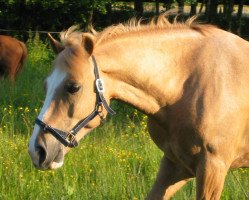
(68, 138)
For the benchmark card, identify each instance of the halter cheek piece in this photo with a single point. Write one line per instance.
(68, 138)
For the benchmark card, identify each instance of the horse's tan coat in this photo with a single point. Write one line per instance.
(13, 53)
(192, 82)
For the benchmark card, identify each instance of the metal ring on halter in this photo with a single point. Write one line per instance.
(100, 109)
(45, 128)
(71, 139)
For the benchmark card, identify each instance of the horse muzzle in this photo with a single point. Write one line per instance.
(46, 152)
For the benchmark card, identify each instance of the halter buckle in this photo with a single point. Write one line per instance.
(71, 139)
(100, 85)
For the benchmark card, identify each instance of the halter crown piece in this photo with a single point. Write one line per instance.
(68, 139)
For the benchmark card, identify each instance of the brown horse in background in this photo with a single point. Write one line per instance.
(13, 54)
(190, 79)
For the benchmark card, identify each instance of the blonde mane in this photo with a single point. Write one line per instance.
(161, 22)
(157, 23)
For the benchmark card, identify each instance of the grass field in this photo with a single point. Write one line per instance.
(117, 161)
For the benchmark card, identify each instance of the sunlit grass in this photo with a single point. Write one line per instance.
(118, 161)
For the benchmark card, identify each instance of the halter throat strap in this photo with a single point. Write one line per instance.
(99, 83)
(69, 138)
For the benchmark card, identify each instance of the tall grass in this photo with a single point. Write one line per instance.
(117, 161)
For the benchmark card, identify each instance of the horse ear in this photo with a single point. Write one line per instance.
(88, 43)
(56, 46)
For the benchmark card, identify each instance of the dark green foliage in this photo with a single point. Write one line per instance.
(56, 15)
(52, 15)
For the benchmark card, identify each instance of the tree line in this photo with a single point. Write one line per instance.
(55, 15)
(218, 12)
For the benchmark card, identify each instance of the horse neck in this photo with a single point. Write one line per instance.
(147, 75)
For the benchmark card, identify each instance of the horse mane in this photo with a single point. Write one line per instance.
(157, 23)
(161, 22)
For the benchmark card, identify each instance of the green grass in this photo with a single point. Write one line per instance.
(117, 161)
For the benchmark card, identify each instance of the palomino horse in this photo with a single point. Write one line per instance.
(190, 79)
(13, 53)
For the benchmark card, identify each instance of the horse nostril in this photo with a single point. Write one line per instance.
(42, 154)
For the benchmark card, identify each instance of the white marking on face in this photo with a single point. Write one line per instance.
(53, 81)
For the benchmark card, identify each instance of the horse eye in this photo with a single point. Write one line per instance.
(72, 88)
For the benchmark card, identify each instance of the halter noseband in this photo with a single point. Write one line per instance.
(68, 138)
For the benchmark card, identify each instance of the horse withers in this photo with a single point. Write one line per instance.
(13, 54)
(190, 79)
